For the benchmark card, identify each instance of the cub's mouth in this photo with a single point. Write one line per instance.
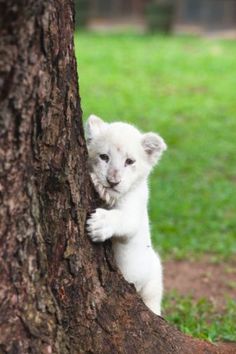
(111, 189)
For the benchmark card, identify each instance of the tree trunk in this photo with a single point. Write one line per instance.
(58, 293)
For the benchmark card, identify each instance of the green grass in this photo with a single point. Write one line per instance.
(183, 88)
(201, 319)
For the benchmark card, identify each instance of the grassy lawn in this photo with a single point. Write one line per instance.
(183, 88)
(200, 318)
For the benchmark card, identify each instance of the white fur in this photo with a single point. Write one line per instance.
(123, 186)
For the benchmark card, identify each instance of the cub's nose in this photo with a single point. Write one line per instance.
(112, 184)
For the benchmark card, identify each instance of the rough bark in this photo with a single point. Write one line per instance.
(58, 292)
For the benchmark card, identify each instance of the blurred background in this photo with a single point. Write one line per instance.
(170, 67)
(185, 16)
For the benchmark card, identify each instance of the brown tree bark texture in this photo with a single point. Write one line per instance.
(58, 292)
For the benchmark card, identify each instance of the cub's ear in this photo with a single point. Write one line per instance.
(94, 126)
(154, 146)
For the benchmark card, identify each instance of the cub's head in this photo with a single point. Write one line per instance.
(120, 156)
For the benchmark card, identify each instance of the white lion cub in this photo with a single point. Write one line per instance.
(120, 160)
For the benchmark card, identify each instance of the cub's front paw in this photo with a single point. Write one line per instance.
(99, 226)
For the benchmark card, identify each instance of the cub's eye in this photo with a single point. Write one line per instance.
(104, 157)
(129, 162)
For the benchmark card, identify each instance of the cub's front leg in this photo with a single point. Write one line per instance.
(103, 224)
